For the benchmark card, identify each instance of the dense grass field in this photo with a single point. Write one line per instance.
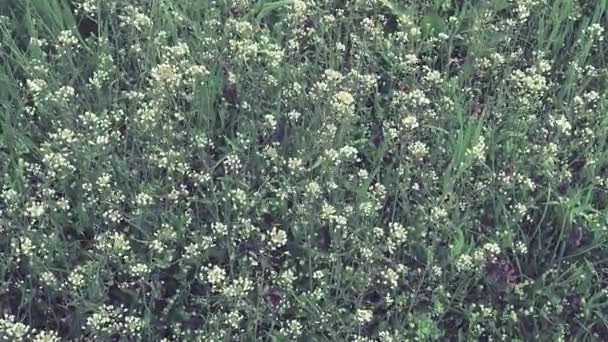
(303, 170)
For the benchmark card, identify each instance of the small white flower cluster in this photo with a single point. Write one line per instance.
(287, 278)
(397, 235)
(238, 288)
(474, 262)
(329, 215)
(295, 166)
(409, 122)
(531, 83)
(277, 238)
(12, 330)
(348, 154)
(23, 247)
(313, 189)
(419, 150)
(66, 40)
(196, 250)
(36, 88)
(595, 32)
(219, 228)
(480, 312)
(270, 122)
(432, 76)
(88, 7)
(108, 320)
(390, 278)
(114, 244)
(232, 163)
(521, 248)
(233, 319)
(478, 151)
(343, 105)
(364, 316)
(76, 278)
(139, 270)
(300, 8)
(102, 74)
(58, 152)
(525, 8)
(62, 95)
(364, 83)
(49, 279)
(143, 199)
(161, 245)
(215, 275)
(491, 250)
(415, 99)
(246, 47)
(562, 124)
(135, 18)
(239, 199)
(588, 99)
(293, 329)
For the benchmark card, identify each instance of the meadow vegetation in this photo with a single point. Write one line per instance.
(303, 170)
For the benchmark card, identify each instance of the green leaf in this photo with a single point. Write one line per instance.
(432, 24)
(397, 10)
(458, 243)
(266, 8)
(499, 5)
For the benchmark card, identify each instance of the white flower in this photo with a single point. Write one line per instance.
(563, 125)
(391, 278)
(139, 270)
(143, 199)
(114, 244)
(313, 188)
(232, 163)
(219, 228)
(46, 336)
(521, 248)
(89, 7)
(135, 18)
(216, 276)
(397, 232)
(67, 39)
(103, 320)
(36, 86)
(270, 121)
(12, 329)
(343, 103)
(36, 209)
(25, 246)
(295, 165)
(293, 329)
(478, 150)
(364, 316)
(76, 278)
(299, 8)
(492, 249)
(348, 153)
(234, 318)
(166, 75)
(409, 122)
(294, 115)
(278, 238)
(464, 263)
(419, 149)
(240, 287)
